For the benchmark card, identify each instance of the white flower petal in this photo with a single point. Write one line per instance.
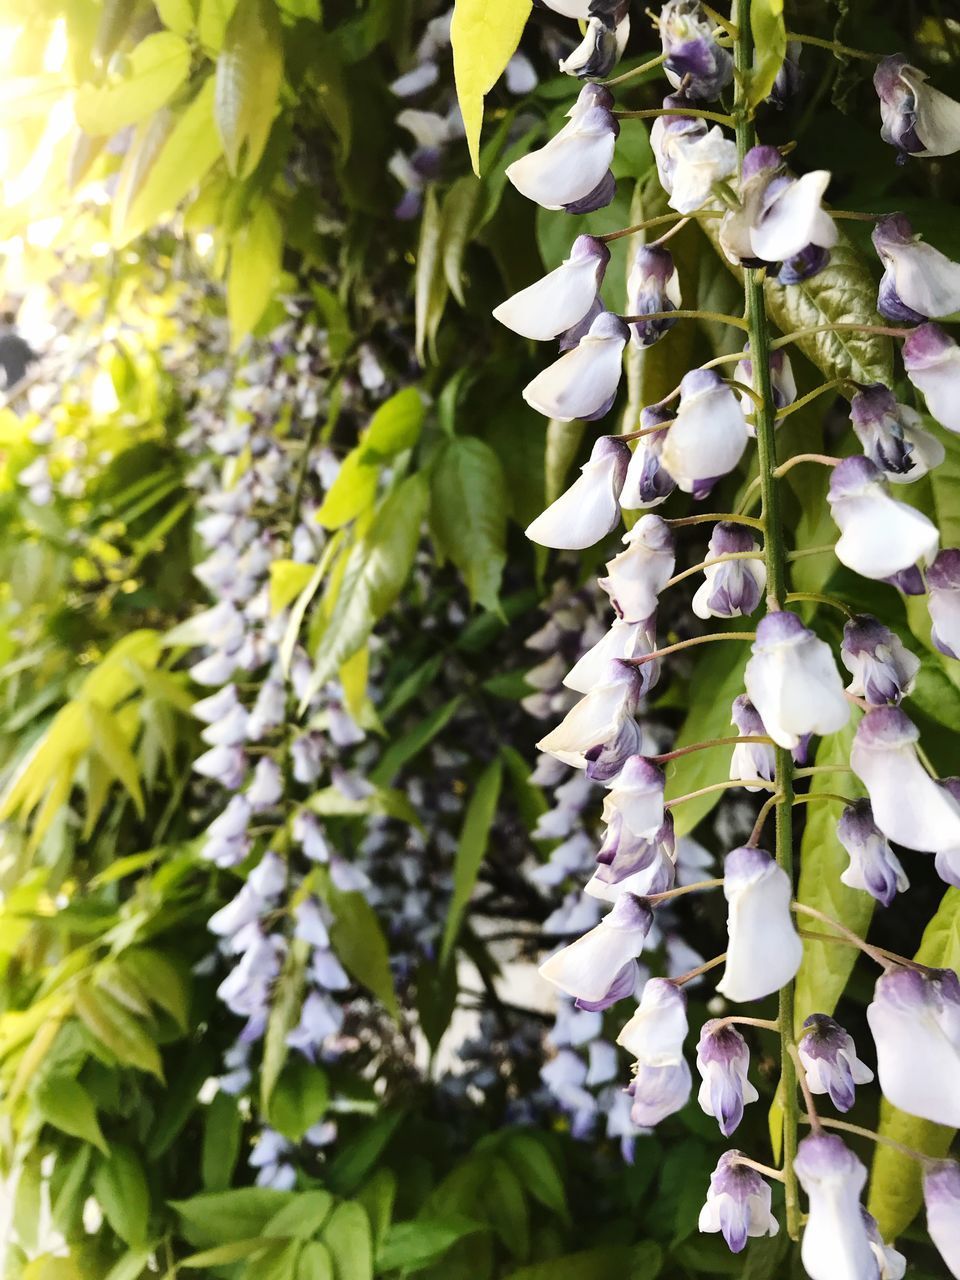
(794, 220)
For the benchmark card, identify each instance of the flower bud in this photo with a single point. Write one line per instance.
(782, 382)
(750, 759)
(693, 57)
(915, 1021)
(648, 482)
(943, 584)
(919, 282)
(835, 1245)
(583, 382)
(830, 1061)
(654, 1036)
(915, 118)
(600, 730)
(941, 1194)
(690, 157)
(893, 436)
(883, 669)
(603, 961)
(623, 640)
(738, 1203)
(733, 589)
(793, 682)
(874, 866)
(636, 576)
(879, 535)
(572, 171)
(589, 509)
(709, 435)
(562, 298)
(652, 285)
(722, 1060)
(764, 949)
(932, 361)
(909, 806)
(780, 216)
(606, 34)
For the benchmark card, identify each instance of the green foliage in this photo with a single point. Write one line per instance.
(485, 34)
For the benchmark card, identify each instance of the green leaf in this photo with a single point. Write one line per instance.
(108, 741)
(457, 218)
(413, 742)
(534, 1165)
(395, 426)
(945, 484)
(188, 146)
(287, 579)
(415, 1244)
(563, 445)
(177, 15)
(66, 1105)
(468, 515)
(352, 1163)
(156, 68)
(896, 1193)
(430, 284)
(284, 1014)
(377, 1196)
(770, 47)
(120, 1186)
(162, 981)
(115, 1027)
(716, 681)
(484, 35)
(302, 1217)
(254, 270)
(347, 1236)
(299, 1099)
(471, 850)
(503, 1198)
(222, 1217)
(376, 571)
(222, 1131)
(315, 1262)
(249, 76)
(360, 945)
(626, 1262)
(222, 1254)
(352, 492)
(826, 967)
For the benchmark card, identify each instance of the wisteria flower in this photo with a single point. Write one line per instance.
(909, 806)
(583, 382)
(782, 383)
(893, 436)
(738, 1203)
(691, 158)
(652, 285)
(932, 361)
(916, 118)
(654, 1037)
(915, 1021)
(883, 668)
(648, 482)
(602, 963)
(562, 298)
(600, 733)
(572, 171)
(874, 867)
(623, 640)
(589, 509)
(750, 759)
(793, 681)
(693, 57)
(835, 1244)
(941, 1193)
(764, 949)
(879, 535)
(723, 1060)
(830, 1061)
(636, 576)
(735, 588)
(943, 585)
(709, 436)
(919, 282)
(636, 799)
(779, 215)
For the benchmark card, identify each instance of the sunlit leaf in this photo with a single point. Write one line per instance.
(485, 35)
(249, 76)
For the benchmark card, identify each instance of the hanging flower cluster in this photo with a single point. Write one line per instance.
(767, 220)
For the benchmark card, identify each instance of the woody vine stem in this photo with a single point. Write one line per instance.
(777, 589)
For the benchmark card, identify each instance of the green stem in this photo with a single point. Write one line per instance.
(844, 326)
(761, 784)
(691, 644)
(882, 1138)
(637, 71)
(817, 598)
(717, 316)
(651, 113)
(709, 564)
(711, 517)
(774, 546)
(669, 894)
(837, 49)
(666, 756)
(811, 395)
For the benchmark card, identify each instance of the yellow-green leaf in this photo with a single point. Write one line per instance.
(770, 47)
(351, 493)
(69, 1107)
(287, 579)
(254, 269)
(484, 35)
(471, 850)
(249, 76)
(157, 67)
(107, 740)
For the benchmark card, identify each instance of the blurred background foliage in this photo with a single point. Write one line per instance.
(260, 215)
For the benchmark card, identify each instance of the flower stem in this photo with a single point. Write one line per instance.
(823, 458)
(760, 783)
(708, 564)
(817, 598)
(691, 644)
(682, 889)
(717, 316)
(820, 795)
(651, 113)
(702, 746)
(737, 1020)
(802, 403)
(837, 49)
(881, 1138)
(873, 952)
(811, 551)
(812, 1118)
(776, 1174)
(777, 588)
(762, 816)
(637, 71)
(728, 517)
(844, 326)
(658, 221)
(809, 770)
(701, 968)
